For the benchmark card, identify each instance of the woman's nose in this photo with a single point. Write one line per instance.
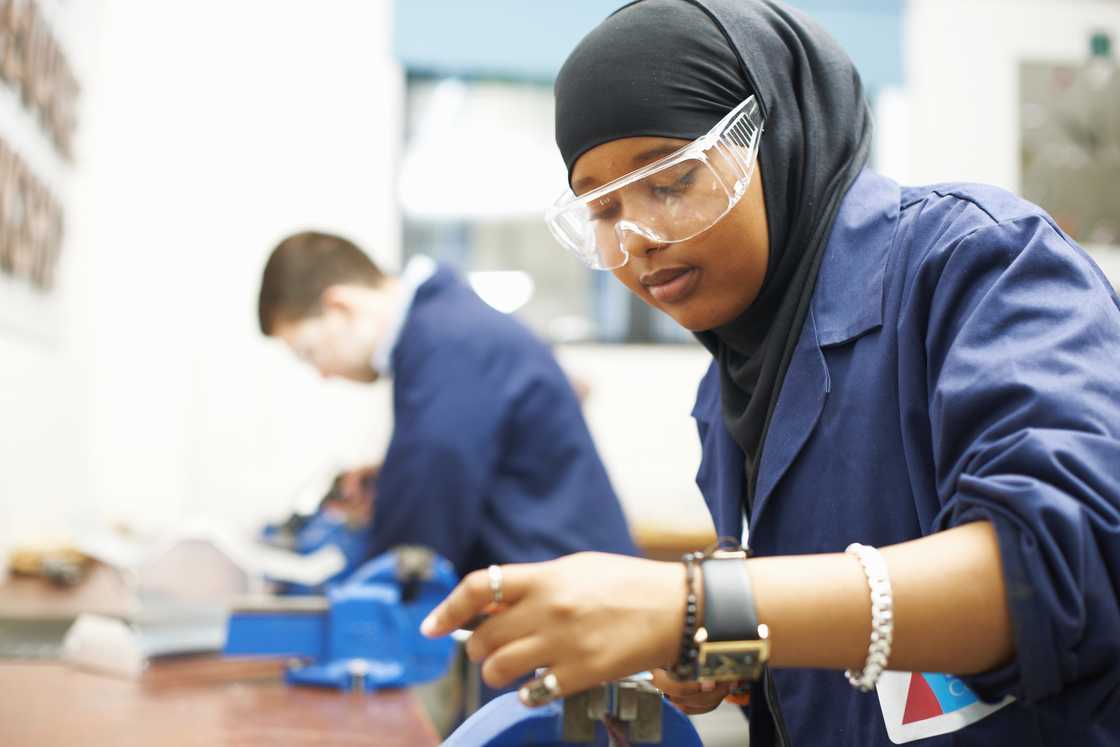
(634, 239)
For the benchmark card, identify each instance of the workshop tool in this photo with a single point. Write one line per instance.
(307, 534)
(627, 712)
(364, 634)
(60, 564)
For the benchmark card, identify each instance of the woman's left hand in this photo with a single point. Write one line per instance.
(589, 617)
(694, 698)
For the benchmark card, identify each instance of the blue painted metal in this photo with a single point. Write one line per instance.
(367, 636)
(292, 633)
(505, 722)
(322, 528)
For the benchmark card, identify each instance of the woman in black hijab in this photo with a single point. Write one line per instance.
(883, 375)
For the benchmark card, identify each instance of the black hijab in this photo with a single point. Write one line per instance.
(673, 68)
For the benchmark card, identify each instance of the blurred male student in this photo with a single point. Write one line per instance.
(490, 460)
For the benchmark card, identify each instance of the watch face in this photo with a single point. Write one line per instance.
(732, 660)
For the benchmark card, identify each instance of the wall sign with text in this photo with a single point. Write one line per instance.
(35, 70)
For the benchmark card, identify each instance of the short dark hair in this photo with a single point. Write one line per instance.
(304, 265)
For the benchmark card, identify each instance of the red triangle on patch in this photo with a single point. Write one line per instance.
(921, 703)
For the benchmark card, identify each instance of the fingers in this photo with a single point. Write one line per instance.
(464, 602)
(692, 697)
(568, 678)
(702, 697)
(697, 710)
(708, 698)
(502, 628)
(472, 596)
(665, 682)
(514, 660)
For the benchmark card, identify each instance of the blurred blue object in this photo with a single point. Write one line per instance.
(342, 519)
(307, 534)
(364, 634)
(637, 712)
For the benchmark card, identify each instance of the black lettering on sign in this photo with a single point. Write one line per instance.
(7, 174)
(31, 224)
(33, 63)
(35, 67)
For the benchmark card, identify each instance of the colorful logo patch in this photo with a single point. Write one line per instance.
(924, 704)
(931, 695)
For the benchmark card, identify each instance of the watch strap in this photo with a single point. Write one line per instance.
(729, 608)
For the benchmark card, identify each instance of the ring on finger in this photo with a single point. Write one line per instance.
(540, 691)
(495, 573)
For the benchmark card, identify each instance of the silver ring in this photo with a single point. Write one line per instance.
(540, 691)
(495, 572)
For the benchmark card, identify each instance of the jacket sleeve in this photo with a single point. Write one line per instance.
(1023, 357)
(446, 430)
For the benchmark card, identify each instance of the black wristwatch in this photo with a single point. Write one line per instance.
(732, 644)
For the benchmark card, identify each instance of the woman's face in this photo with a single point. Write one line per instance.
(703, 282)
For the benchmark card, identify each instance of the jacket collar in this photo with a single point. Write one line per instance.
(415, 274)
(848, 300)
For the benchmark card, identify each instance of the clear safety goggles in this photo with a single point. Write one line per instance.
(672, 199)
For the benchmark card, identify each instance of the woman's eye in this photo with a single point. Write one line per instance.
(677, 186)
(606, 211)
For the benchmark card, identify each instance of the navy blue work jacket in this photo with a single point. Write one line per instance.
(960, 361)
(490, 460)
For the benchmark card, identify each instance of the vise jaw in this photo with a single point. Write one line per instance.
(632, 704)
(629, 711)
(363, 635)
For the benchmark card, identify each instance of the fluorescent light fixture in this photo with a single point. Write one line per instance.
(481, 152)
(505, 290)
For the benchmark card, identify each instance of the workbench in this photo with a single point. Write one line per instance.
(44, 702)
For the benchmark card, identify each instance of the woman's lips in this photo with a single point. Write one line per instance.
(670, 285)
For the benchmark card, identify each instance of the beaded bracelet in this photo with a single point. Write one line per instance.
(882, 617)
(685, 666)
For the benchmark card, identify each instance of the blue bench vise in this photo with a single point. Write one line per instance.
(636, 711)
(364, 634)
(306, 534)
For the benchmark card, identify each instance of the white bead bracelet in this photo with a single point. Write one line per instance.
(882, 617)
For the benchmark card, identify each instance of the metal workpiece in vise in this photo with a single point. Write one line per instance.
(627, 712)
(364, 634)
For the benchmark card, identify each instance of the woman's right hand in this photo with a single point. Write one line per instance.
(693, 698)
(589, 618)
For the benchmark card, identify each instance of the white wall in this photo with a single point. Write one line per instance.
(962, 75)
(214, 129)
(44, 354)
(957, 118)
(639, 411)
(209, 131)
